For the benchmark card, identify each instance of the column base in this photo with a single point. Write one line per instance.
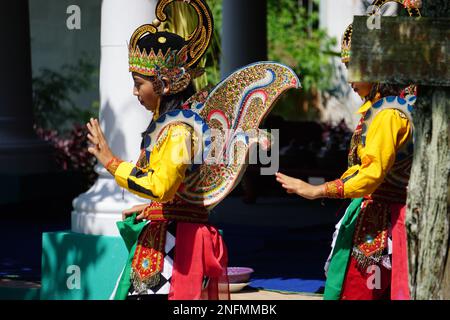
(98, 210)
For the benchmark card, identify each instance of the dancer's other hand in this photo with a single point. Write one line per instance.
(99, 146)
(300, 187)
(139, 209)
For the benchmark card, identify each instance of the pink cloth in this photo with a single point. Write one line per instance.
(355, 283)
(399, 281)
(199, 252)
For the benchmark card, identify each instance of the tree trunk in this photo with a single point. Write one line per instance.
(428, 216)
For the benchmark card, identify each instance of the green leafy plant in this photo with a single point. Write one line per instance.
(59, 121)
(53, 93)
(212, 56)
(295, 39)
(182, 20)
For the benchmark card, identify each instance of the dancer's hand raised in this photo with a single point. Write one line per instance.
(99, 146)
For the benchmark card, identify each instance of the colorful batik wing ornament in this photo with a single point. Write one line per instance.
(226, 122)
(233, 111)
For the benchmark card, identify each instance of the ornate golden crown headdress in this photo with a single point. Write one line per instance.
(411, 6)
(346, 44)
(177, 62)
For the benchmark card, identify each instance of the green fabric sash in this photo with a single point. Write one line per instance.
(130, 231)
(341, 252)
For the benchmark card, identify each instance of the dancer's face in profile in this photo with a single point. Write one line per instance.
(362, 88)
(144, 89)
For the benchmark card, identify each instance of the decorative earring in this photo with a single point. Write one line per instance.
(156, 112)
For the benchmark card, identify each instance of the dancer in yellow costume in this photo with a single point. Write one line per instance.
(160, 265)
(370, 240)
(174, 253)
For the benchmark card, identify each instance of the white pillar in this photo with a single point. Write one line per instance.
(122, 117)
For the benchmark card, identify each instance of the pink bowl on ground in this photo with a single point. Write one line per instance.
(239, 274)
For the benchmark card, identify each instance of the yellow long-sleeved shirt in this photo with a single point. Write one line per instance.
(169, 160)
(387, 133)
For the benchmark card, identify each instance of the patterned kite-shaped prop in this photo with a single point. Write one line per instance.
(233, 109)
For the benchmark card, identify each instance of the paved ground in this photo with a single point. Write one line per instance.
(283, 237)
(271, 295)
(246, 294)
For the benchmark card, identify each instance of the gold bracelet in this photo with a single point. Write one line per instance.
(334, 189)
(112, 165)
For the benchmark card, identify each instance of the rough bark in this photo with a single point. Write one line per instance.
(428, 216)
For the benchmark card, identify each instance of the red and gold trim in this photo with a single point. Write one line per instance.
(113, 164)
(176, 210)
(371, 232)
(353, 158)
(148, 260)
(334, 189)
(142, 161)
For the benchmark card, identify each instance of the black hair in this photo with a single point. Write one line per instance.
(175, 101)
(384, 90)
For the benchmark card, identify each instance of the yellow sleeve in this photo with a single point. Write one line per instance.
(386, 134)
(169, 161)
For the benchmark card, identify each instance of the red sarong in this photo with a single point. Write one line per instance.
(199, 252)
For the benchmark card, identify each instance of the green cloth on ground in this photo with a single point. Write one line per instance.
(341, 252)
(130, 231)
